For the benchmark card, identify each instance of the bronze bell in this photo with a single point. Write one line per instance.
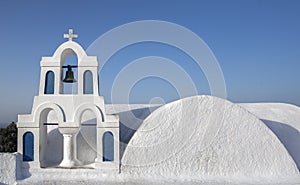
(69, 78)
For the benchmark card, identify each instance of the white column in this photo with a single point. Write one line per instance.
(68, 158)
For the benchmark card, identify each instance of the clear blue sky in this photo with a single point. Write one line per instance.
(257, 44)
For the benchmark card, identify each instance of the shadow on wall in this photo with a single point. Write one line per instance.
(130, 121)
(289, 137)
(22, 169)
(54, 148)
(86, 142)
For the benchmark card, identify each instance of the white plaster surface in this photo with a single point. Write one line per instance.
(284, 120)
(205, 136)
(279, 112)
(8, 170)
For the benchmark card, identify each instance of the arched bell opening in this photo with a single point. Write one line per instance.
(88, 82)
(69, 72)
(49, 83)
(86, 138)
(51, 140)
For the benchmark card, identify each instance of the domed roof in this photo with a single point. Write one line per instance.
(205, 135)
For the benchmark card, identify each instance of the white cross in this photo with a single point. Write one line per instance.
(70, 35)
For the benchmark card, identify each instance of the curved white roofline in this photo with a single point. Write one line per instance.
(69, 47)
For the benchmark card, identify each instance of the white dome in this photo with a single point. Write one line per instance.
(205, 135)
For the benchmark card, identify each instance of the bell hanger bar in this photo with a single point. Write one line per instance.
(70, 66)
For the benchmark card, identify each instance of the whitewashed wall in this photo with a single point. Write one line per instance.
(8, 168)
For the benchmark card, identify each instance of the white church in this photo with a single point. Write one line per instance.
(77, 137)
(55, 111)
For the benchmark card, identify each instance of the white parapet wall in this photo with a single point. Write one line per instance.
(8, 168)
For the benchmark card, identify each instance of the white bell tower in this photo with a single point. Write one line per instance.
(67, 112)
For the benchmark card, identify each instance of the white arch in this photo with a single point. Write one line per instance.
(68, 48)
(57, 109)
(83, 107)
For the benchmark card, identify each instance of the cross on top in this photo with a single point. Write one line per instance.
(70, 35)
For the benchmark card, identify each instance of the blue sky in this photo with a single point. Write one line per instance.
(257, 45)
